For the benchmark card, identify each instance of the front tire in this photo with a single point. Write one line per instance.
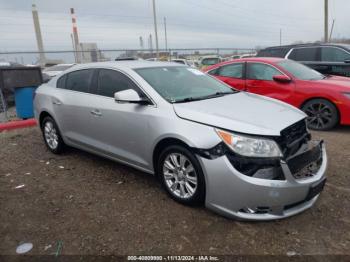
(181, 175)
(322, 114)
(52, 136)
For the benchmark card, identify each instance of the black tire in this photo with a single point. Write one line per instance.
(322, 114)
(198, 196)
(60, 143)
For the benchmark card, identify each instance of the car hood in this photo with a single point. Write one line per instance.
(242, 112)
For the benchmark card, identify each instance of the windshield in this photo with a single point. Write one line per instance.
(58, 68)
(183, 84)
(210, 61)
(300, 71)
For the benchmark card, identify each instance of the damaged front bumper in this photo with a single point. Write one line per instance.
(237, 195)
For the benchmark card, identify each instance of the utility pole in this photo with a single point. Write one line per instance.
(330, 35)
(155, 26)
(326, 21)
(166, 37)
(39, 38)
(280, 36)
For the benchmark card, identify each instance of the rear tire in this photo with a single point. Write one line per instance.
(52, 136)
(322, 114)
(181, 175)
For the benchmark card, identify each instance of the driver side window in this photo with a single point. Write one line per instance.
(111, 81)
(257, 71)
(332, 54)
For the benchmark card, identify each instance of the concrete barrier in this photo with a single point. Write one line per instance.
(17, 124)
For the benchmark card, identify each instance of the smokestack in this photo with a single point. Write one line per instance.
(141, 42)
(39, 38)
(150, 44)
(75, 36)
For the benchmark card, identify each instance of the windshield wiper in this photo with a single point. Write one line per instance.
(217, 94)
(187, 99)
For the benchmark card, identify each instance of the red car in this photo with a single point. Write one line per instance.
(324, 98)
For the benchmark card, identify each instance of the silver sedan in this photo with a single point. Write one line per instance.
(242, 155)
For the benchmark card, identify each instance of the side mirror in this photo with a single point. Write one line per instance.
(129, 96)
(282, 79)
(347, 61)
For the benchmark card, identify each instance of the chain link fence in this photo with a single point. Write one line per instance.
(99, 55)
(51, 58)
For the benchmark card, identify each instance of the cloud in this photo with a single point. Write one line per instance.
(190, 23)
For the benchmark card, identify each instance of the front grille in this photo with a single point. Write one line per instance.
(306, 164)
(292, 138)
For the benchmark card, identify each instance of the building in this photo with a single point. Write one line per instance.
(90, 53)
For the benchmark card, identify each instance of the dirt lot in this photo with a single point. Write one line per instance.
(94, 206)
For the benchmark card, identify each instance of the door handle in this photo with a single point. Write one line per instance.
(56, 102)
(96, 112)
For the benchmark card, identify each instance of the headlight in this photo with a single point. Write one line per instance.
(347, 95)
(249, 146)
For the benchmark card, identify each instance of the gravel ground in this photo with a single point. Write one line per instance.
(90, 205)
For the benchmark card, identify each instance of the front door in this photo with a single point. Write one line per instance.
(259, 80)
(121, 129)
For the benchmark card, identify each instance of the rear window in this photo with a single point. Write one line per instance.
(179, 61)
(210, 61)
(79, 80)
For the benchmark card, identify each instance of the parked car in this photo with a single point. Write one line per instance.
(243, 56)
(56, 69)
(325, 99)
(207, 61)
(244, 156)
(333, 59)
(184, 62)
(152, 59)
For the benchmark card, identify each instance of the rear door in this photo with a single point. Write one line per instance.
(259, 80)
(309, 56)
(72, 106)
(231, 74)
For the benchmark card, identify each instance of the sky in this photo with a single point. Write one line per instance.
(190, 23)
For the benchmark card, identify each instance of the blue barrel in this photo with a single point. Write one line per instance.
(24, 101)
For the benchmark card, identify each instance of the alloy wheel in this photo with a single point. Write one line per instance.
(319, 115)
(180, 176)
(50, 134)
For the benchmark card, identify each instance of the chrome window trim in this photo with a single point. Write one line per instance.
(108, 68)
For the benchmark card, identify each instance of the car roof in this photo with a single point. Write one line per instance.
(307, 45)
(130, 64)
(271, 60)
